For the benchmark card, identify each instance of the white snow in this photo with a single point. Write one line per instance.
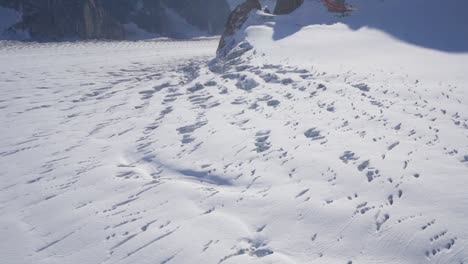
(314, 143)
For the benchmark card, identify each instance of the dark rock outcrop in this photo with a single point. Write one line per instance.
(71, 19)
(157, 16)
(287, 6)
(208, 15)
(235, 21)
(15, 4)
(148, 15)
(97, 19)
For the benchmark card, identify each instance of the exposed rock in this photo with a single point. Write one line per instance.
(148, 15)
(91, 19)
(287, 6)
(235, 21)
(97, 23)
(15, 4)
(54, 20)
(207, 15)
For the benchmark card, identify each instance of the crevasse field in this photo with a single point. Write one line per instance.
(313, 142)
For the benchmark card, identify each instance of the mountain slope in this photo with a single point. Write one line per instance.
(307, 143)
(116, 19)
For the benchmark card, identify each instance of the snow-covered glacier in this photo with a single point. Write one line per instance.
(319, 138)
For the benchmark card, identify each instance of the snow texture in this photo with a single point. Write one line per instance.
(325, 145)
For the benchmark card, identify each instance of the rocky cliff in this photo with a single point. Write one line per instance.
(241, 14)
(235, 21)
(71, 19)
(173, 18)
(111, 19)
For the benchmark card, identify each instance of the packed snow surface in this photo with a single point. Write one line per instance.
(327, 145)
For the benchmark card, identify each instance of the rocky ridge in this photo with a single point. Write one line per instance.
(112, 19)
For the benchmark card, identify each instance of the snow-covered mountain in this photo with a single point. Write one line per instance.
(112, 19)
(313, 137)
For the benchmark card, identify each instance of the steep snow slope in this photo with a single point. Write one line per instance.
(327, 145)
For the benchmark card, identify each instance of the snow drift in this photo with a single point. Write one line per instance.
(311, 141)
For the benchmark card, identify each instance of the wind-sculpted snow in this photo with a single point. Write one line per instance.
(136, 152)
